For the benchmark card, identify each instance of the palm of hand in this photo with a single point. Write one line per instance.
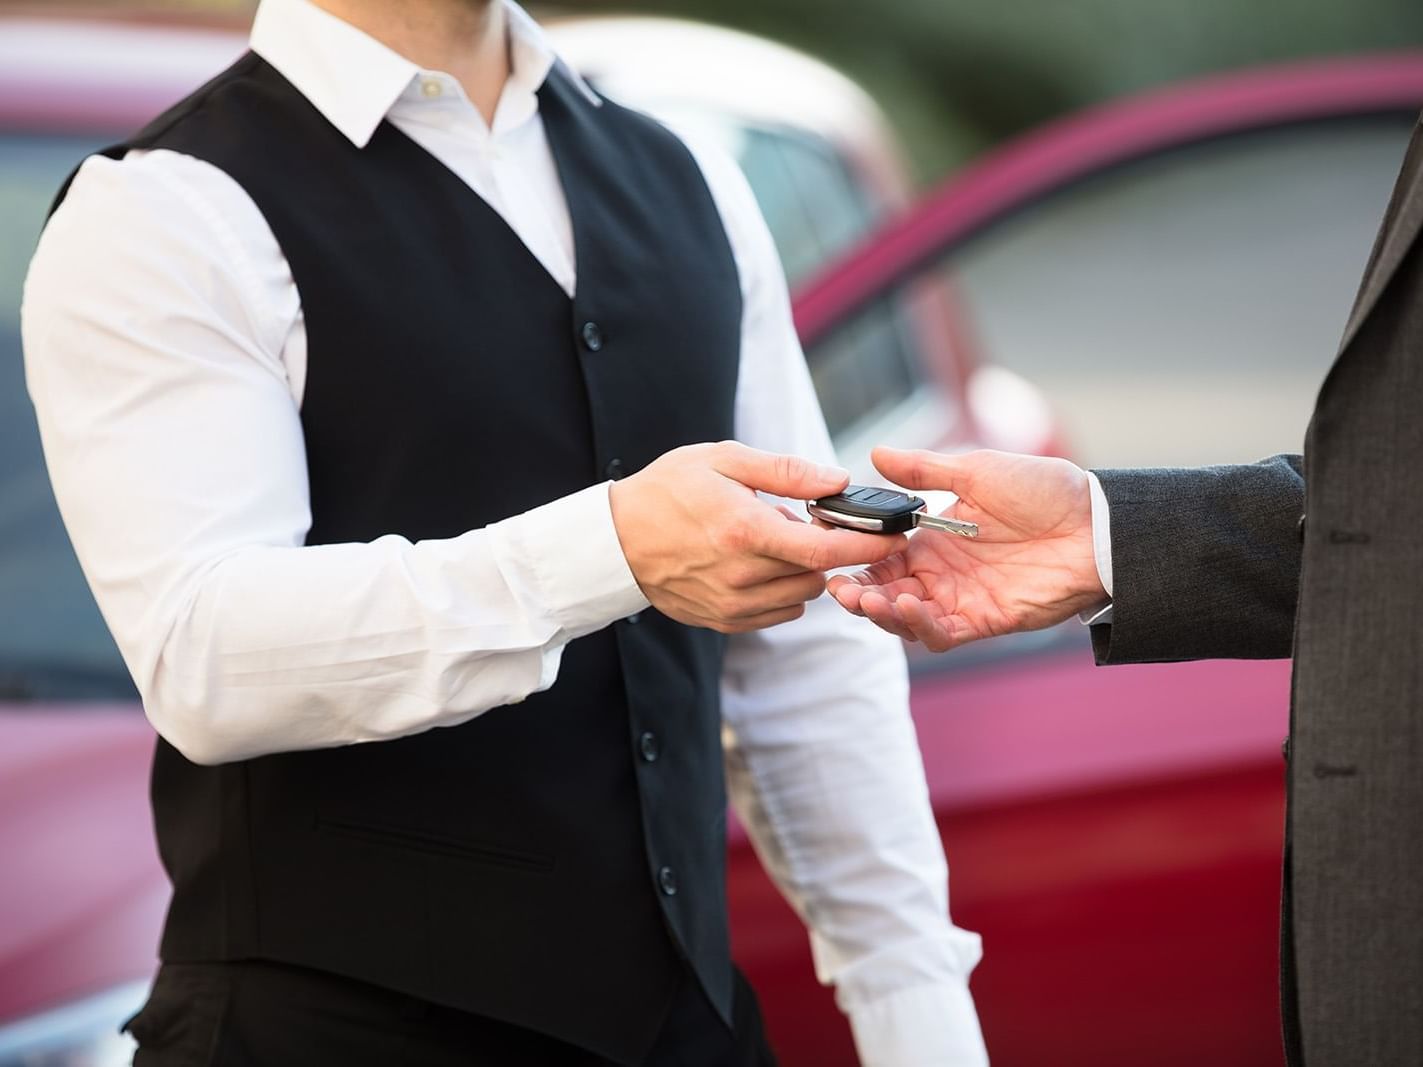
(1031, 566)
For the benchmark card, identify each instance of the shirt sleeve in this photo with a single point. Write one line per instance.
(153, 339)
(823, 764)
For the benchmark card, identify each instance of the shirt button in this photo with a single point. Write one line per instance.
(667, 881)
(592, 335)
(1285, 749)
(649, 747)
(614, 469)
(431, 88)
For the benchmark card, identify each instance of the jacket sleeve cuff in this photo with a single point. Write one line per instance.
(923, 1026)
(566, 560)
(1208, 560)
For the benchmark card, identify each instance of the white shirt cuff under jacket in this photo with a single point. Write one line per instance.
(1101, 551)
(923, 1026)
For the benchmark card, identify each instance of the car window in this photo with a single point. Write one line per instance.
(1183, 309)
(816, 210)
(53, 643)
(1180, 309)
(813, 204)
(867, 371)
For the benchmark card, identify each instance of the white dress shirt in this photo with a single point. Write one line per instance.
(166, 356)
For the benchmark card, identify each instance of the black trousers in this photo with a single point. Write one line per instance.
(259, 1014)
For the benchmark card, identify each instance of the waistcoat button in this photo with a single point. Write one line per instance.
(667, 881)
(649, 747)
(614, 469)
(592, 335)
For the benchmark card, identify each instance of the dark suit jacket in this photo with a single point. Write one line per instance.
(1222, 562)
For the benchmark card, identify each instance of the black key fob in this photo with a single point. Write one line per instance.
(875, 510)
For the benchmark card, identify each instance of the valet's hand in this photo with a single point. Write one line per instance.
(1031, 566)
(707, 551)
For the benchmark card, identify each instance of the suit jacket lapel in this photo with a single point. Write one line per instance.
(1401, 224)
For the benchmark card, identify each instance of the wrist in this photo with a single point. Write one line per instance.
(640, 521)
(623, 506)
(1101, 526)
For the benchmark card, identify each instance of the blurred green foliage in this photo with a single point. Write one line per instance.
(957, 75)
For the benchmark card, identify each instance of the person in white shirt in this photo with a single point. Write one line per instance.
(181, 360)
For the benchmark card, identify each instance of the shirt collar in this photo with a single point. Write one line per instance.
(354, 80)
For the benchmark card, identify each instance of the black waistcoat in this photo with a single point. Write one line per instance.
(546, 863)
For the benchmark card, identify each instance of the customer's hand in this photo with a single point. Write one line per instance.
(1032, 564)
(706, 551)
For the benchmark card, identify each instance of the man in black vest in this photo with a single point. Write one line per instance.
(1315, 556)
(378, 381)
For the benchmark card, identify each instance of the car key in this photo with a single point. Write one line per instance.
(864, 507)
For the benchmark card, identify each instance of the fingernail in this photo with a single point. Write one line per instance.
(833, 474)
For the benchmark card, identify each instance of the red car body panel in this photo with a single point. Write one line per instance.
(82, 895)
(1114, 834)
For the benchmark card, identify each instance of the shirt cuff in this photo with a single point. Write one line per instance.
(923, 1026)
(570, 562)
(1101, 551)
(1097, 616)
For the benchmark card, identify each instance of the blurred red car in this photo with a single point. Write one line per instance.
(1114, 834)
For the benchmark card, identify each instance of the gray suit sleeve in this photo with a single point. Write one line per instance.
(1205, 562)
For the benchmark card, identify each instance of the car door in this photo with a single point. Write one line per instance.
(1174, 272)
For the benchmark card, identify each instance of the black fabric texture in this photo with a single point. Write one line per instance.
(1195, 550)
(258, 1014)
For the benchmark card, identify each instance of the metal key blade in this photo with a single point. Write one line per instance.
(938, 522)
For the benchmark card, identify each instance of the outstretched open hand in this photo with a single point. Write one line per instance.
(1031, 566)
